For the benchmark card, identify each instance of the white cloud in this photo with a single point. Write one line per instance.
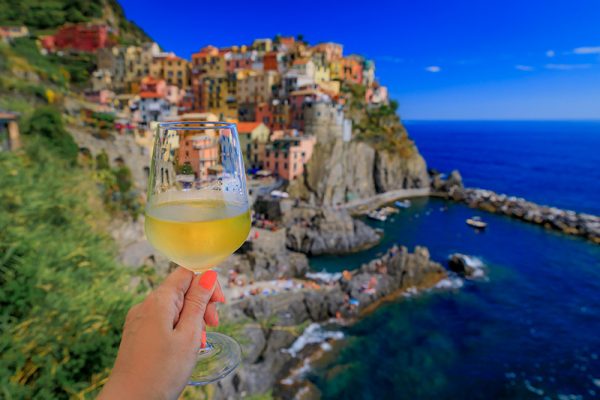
(587, 50)
(527, 68)
(567, 67)
(550, 53)
(433, 68)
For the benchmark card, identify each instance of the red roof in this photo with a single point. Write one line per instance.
(247, 127)
(150, 95)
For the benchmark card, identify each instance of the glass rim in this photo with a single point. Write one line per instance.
(196, 125)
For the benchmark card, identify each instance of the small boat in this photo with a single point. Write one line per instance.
(377, 216)
(402, 204)
(476, 223)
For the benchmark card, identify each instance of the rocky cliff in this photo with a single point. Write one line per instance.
(325, 230)
(342, 171)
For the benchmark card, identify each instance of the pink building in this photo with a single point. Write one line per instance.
(201, 151)
(286, 157)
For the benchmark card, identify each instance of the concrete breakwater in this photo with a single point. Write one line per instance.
(566, 221)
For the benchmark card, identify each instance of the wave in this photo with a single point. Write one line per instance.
(324, 277)
(313, 334)
(452, 282)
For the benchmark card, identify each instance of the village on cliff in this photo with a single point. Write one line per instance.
(276, 90)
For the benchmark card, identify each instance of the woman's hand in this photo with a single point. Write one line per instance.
(162, 336)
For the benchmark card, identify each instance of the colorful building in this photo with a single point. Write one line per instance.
(262, 45)
(347, 69)
(174, 70)
(328, 51)
(198, 148)
(138, 60)
(8, 33)
(263, 113)
(368, 73)
(298, 100)
(376, 94)
(275, 61)
(239, 58)
(253, 138)
(286, 157)
(256, 86)
(81, 37)
(112, 59)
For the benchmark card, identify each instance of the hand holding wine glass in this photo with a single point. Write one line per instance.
(198, 213)
(162, 336)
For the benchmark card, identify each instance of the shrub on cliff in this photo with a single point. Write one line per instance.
(46, 122)
(63, 298)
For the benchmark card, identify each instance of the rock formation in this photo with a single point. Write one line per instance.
(272, 323)
(342, 171)
(325, 230)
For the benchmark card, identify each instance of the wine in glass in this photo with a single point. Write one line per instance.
(197, 213)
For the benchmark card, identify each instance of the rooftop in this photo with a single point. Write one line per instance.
(247, 127)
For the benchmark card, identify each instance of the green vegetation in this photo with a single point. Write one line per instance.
(63, 298)
(45, 16)
(46, 122)
(118, 192)
(379, 126)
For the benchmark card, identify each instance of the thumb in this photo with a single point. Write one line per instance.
(195, 302)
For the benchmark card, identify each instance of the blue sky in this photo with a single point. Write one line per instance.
(454, 59)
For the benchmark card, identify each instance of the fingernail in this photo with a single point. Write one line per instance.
(203, 340)
(208, 279)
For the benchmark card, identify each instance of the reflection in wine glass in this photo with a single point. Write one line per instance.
(198, 214)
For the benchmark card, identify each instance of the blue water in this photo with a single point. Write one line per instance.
(555, 163)
(530, 329)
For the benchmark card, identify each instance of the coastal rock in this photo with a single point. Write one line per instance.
(327, 231)
(393, 172)
(340, 171)
(273, 320)
(464, 265)
(266, 258)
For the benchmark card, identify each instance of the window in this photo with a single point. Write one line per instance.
(285, 165)
(295, 167)
(276, 165)
(268, 164)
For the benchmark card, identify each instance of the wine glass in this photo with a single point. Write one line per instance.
(197, 213)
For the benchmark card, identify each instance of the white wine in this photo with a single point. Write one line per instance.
(197, 234)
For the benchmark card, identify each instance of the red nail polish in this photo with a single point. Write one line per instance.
(203, 340)
(208, 279)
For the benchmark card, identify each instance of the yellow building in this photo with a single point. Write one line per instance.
(208, 62)
(256, 86)
(336, 70)
(214, 89)
(138, 60)
(174, 70)
(321, 73)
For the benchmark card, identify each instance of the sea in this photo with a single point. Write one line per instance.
(529, 326)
